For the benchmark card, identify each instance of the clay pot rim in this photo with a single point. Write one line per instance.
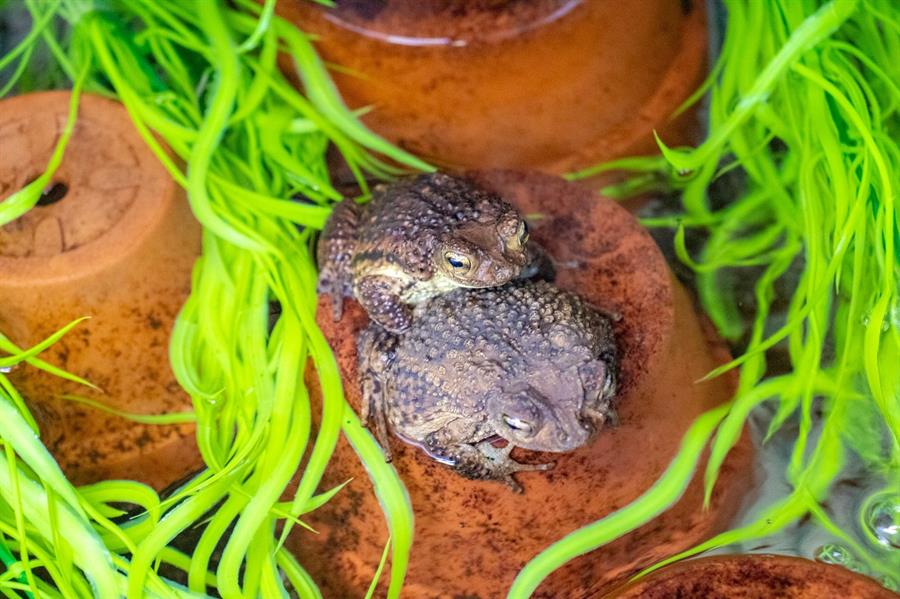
(769, 563)
(450, 41)
(135, 224)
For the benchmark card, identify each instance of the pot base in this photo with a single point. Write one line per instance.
(113, 239)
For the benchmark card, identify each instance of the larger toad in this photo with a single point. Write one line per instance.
(418, 238)
(527, 363)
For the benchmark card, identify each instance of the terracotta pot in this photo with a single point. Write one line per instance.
(118, 246)
(472, 537)
(754, 577)
(555, 85)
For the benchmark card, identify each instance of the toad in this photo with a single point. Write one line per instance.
(527, 363)
(419, 237)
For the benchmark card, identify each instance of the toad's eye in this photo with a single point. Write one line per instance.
(518, 424)
(522, 233)
(458, 261)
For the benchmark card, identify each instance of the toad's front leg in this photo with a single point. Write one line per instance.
(482, 461)
(380, 296)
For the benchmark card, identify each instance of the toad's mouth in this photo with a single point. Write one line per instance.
(486, 275)
(478, 284)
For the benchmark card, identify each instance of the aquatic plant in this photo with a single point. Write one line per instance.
(204, 78)
(803, 98)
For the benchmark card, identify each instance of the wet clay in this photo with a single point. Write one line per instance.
(753, 577)
(555, 85)
(472, 537)
(114, 240)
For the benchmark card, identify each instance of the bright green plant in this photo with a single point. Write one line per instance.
(204, 78)
(804, 98)
(821, 79)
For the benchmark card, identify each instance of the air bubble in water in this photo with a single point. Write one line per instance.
(833, 553)
(883, 519)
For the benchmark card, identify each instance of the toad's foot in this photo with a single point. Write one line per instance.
(334, 252)
(486, 462)
(337, 306)
(335, 282)
(539, 265)
(376, 349)
(503, 466)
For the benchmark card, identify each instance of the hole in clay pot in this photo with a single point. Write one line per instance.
(53, 193)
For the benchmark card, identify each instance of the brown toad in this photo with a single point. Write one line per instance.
(418, 237)
(526, 362)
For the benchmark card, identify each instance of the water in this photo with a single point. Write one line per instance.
(856, 503)
(882, 517)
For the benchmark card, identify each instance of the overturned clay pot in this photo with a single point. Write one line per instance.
(472, 537)
(554, 85)
(753, 577)
(112, 239)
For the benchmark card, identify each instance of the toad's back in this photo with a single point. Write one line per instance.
(404, 221)
(467, 344)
